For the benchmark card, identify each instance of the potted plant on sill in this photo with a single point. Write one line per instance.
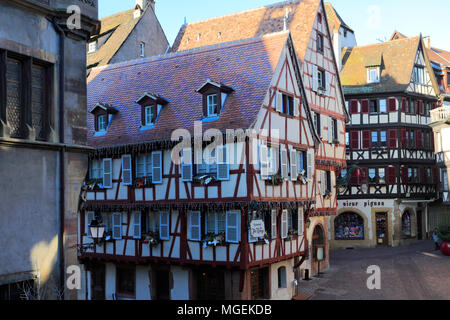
(327, 195)
(152, 238)
(212, 239)
(275, 179)
(444, 236)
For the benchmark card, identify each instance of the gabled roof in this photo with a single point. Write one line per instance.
(252, 23)
(335, 21)
(397, 56)
(106, 107)
(118, 26)
(176, 77)
(397, 35)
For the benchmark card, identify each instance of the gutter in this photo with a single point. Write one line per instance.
(62, 151)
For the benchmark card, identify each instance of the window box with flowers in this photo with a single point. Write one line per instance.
(292, 233)
(212, 239)
(205, 179)
(275, 180)
(94, 184)
(327, 195)
(152, 238)
(143, 182)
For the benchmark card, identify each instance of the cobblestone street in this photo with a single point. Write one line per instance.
(414, 272)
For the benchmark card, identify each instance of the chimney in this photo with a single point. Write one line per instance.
(144, 3)
(427, 42)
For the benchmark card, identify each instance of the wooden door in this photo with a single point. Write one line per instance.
(211, 284)
(259, 283)
(98, 275)
(419, 225)
(162, 284)
(382, 228)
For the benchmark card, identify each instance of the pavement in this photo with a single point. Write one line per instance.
(411, 272)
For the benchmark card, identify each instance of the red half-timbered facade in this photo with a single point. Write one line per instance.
(188, 216)
(307, 21)
(391, 173)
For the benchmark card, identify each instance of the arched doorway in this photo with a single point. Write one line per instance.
(318, 240)
(349, 226)
(406, 223)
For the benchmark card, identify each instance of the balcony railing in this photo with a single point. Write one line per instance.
(440, 114)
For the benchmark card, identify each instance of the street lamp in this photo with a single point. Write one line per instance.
(97, 230)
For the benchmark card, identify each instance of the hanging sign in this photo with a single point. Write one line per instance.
(257, 228)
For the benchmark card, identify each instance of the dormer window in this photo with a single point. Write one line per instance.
(151, 106)
(212, 105)
(150, 115)
(103, 114)
(101, 123)
(319, 42)
(373, 75)
(214, 97)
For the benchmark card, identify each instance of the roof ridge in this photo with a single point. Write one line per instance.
(116, 14)
(434, 50)
(281, 3)
(172, 55)
(385, 42)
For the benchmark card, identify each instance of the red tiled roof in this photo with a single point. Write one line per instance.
(251, 23)
(247, 66)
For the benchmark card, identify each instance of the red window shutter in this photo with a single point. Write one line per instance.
(436, 176)
(417, 107)
(404, 174)
(419, 139)
(432, 141)
(433, 105)
(391, 175)
(354, 139)
(354, 177)
(364, 176)
(403, 104)
(365, 106)
(392, 105)
(403, 138)
(353, 106)
(422, 174)
(366, 139)
(421, 107)
(392, 138)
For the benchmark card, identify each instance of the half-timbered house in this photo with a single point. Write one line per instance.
(391, 176)
(308, 23)
(203, 218)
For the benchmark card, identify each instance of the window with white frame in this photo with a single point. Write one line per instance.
(153, 221)
(419, 75)
(383, 105)
(102, 123)
(268, 161)
(212, 105)
(142, 49)
(373, 75)
(207, 162)
(215, 222)
(96, 169)
(150, 166)
(150, 115)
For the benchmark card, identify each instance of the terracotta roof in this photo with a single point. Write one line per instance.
(397, 35)
(397, 60)
(119, 26)
(334, 19)
(439, 56)
(251, 23)
(247, 66)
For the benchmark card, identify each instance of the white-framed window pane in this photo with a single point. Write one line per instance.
(221, 222)
(383, 108)
(102, 123)
(211, 222)
(212, 104)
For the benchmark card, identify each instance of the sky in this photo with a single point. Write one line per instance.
(372, 20)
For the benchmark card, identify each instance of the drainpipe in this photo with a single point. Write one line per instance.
(61, 157)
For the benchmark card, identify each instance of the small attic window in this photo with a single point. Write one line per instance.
(214, 97)
(198, 36)
(142, 49)
(101, 123)
(373, 75)
(219, 35)
(151, 106)
(319, 17)
(103, 114)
